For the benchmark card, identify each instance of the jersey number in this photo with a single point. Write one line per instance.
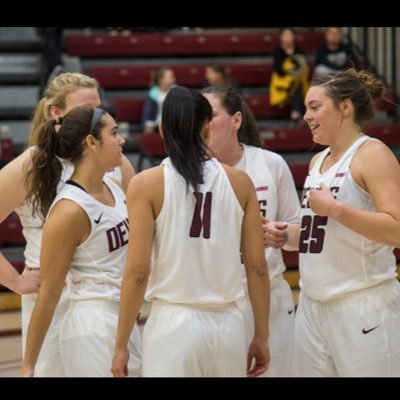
(263, 207)
(197, 222)
(312, 235)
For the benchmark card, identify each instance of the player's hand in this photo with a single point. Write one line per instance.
(275, 233)
(120, 363)
(26, 371)
(28, 282)
(321, 201)
(258, 358)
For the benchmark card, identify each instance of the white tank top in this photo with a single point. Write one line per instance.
(32, 225)
(98, 263)
(196, 250)
(333, 259)
(276, 194)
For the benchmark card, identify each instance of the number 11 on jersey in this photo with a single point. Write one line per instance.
(197, 222)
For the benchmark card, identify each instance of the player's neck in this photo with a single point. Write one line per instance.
(338, 148)
(229, 155)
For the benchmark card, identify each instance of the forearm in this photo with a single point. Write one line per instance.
(259, 293)
(379, 227)
(42, 316)
(132, 295)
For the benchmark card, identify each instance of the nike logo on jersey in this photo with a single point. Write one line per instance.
(98, 219)
(290, 311)
(365, 331)
(340, 175)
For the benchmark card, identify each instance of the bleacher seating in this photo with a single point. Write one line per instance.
(130, 109)
(11, 231)
(191, 75)
(179, 43)
(6, 149)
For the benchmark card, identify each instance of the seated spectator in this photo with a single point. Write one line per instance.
(289, 80)
(217, 75)
(334, 55)
(161, 81)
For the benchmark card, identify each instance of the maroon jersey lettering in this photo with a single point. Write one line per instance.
(197, 222)
(117, 236)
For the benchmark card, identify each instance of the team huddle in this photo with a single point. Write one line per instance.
(201, 237)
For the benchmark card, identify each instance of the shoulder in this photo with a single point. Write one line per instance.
(66, 212)
(237, 177)
(314, 159)
(146, 181)
(372, 150)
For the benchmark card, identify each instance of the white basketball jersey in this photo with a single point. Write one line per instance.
(276, 194)
(32, 225)
(334, 260)
(196, 250)
(98, 263)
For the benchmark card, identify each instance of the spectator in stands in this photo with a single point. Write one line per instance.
(348, 319)
(65, 92)
(161, 81)
(235, 141)
(182, 249)
(52, 48)
(217, 75)
(334, 55)
(76, 247)
(289, 80)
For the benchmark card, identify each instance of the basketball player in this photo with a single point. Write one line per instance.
(66, 91)
(348, 320)
(235, 141)
(192, 215)
(86, 233)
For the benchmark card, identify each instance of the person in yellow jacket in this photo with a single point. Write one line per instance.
(289, 80)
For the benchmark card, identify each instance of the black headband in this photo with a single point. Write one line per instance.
(97, 113)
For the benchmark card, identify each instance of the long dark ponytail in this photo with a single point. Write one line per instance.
(64, 138)
(185, 111)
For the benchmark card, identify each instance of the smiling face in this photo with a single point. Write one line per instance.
(322, 116)
(223, 126)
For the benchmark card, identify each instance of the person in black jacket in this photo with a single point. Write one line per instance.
(334, 55)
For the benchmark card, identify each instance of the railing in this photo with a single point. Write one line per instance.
(379, 48)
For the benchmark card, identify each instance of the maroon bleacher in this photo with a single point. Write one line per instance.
(11, 231)
(288, 139)
(127, 109)
(259, 105)
(299, 171)
(168, 44)
(388, 133)
(151, 146)
(192, 75)
(6, 149)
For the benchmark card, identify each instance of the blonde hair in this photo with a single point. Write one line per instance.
(55, 95)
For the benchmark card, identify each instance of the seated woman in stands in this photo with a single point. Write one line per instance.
(217, 75)
(289, 81)
(161, 81)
